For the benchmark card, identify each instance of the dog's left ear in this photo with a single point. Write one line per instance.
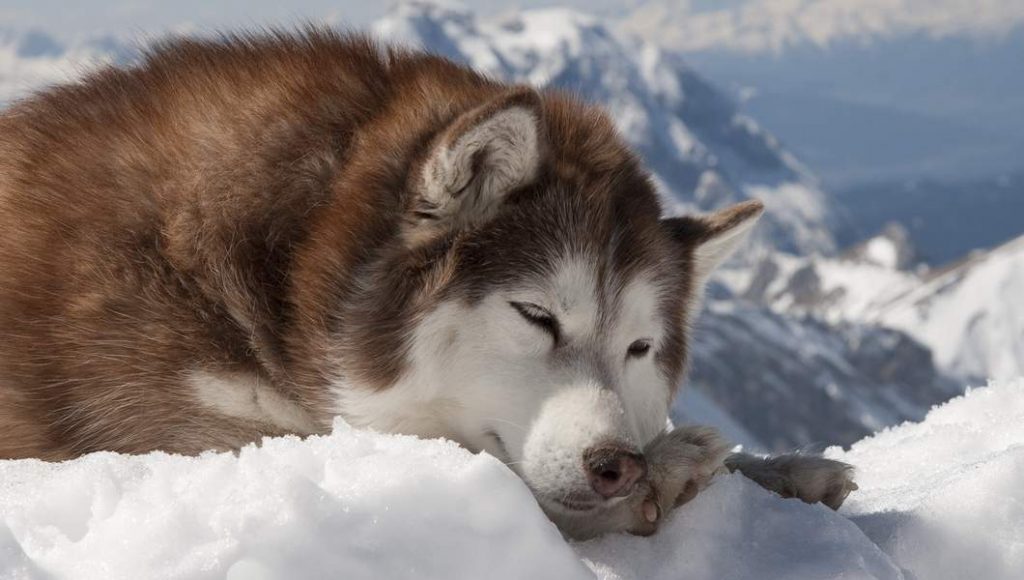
(714, 237)
(472, 165)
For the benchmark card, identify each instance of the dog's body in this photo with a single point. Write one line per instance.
(248, 237)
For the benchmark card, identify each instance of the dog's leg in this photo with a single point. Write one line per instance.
(810, 478)
(682, 462)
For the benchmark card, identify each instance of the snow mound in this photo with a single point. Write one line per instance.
(354, 504)
(940, 499)
(739, 531)
(945, 497)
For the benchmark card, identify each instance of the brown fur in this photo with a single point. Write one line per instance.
(236, 205)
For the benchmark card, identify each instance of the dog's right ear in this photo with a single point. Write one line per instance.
(474, 163)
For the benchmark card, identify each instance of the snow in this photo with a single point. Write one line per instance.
(940, 499)
(737, 530)
(970, 315)
(366, 504)
(883, 252)
(945, 498)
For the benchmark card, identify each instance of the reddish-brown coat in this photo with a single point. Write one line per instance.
(211, 207)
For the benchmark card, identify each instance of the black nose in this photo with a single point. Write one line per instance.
(613, 469)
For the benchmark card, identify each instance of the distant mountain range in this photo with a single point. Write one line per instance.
(865, 90)
(770, 26)
(900, 108)
(945, 219)
(969, 313)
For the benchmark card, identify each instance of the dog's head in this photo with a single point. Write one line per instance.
(537, 307)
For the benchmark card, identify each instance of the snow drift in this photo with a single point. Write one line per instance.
(945, 498)
(939, 499)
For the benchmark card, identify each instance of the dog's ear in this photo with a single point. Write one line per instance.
(711, 239)
(472, 165)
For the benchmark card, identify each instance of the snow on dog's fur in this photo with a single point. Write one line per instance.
(248, 236)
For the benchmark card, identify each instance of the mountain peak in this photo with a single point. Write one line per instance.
(891, 249)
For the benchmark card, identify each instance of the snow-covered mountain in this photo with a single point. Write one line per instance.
(704, 153)
(796, 381)
(969, 313)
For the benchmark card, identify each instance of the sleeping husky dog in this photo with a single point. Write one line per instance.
(249, 236)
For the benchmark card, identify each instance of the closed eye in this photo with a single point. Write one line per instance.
(639, 348)
(539, 317)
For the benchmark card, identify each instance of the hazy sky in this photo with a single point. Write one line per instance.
(71, 18)
(687, 24)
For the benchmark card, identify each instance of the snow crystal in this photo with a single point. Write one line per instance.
(940, 499)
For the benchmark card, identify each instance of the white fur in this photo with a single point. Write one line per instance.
(488, 379)
(718, 249)
(424, 401)
(647, 395)
(573, 295)
(491, 379)
(243, 397)
(509, 142)
(569, 421)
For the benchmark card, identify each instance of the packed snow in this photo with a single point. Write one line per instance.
(940, 499)
(945, 498)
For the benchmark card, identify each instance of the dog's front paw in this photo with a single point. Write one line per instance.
(810, 478)
(680, 463)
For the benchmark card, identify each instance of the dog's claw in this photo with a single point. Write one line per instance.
(650, 510)
(680, 464)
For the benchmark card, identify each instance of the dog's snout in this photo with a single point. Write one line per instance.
(613, 470)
